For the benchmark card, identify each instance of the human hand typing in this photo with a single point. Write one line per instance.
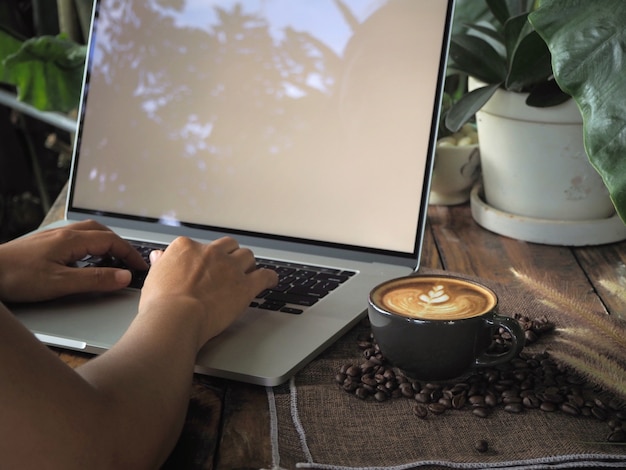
(37, 267)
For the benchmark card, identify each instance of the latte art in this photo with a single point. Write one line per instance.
(435, 298)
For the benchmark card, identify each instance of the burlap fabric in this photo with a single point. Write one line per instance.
(316, 424)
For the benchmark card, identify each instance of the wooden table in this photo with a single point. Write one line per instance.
(227, 425)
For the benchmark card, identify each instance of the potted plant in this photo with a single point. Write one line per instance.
(510, 68)
(587, 48)
(457, 156)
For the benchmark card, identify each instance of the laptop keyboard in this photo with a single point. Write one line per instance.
(299, 286)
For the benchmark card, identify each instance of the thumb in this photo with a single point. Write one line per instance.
(98, 279)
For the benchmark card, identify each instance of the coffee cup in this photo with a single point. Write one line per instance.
(439, 327)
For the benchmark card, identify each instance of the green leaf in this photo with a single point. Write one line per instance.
(47, 72)
(502, 10)
(466, 107)
(476, 57)
(588, 58)
(546, 94)
(9, 45)
(530, 63)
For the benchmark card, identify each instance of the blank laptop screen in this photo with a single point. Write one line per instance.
(293, 118)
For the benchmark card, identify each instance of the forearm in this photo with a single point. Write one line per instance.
(123, 409)
(146, 377)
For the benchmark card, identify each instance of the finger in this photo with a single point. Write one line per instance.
(96, 279)
(103, 242)
(155, 256)
(262, 279)
(227, 244)
(245, 258)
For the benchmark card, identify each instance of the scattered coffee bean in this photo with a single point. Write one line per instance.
(480, 411)
(420, 410)
(514, 408)
(436, 408)
(481, 446)
(528, 382)
(619, 435)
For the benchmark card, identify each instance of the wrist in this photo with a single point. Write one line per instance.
(175, 317)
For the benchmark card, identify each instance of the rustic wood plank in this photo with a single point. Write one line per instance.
(72, 358)
(200, 436)
(606, 268)
(468, 248)
(430, 255)
(245, 441)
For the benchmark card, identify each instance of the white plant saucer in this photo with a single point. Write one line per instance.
(545, 231)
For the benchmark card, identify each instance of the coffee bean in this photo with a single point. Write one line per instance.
(615, 404)
(406, 390)
(477, 400)
(514, 408)
(380, 396)
(531, 401)
(420, 410)
(445, 402)
(481, 446)
(547, 406)
(436, 394)
(436, 408)
(600, 403)
(361, 393)
(577, 400)
(570, 409)
(530, 336)
(511, 400)
(480, 411)
(599, 413)
(618, 435)
(458, 401)
(422, 398)
(369, 379)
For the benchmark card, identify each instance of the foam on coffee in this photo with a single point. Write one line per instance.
(434, 298)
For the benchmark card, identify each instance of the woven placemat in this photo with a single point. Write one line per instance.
(316, 424)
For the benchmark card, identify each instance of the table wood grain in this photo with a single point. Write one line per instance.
(227, 425)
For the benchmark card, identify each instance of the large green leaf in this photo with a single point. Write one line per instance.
(476, 57)
(467, 106)
(9, 45)
(529, 57)
(47, 72)
(587, 41)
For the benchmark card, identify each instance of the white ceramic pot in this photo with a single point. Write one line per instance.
(534, 163)
(456, 169)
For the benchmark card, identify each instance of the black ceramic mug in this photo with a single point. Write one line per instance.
(438, 327)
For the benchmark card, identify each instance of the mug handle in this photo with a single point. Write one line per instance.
(517, 342)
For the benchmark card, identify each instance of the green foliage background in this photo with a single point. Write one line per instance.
(46, 71)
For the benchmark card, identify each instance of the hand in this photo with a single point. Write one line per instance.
(36, 267)
(213, 283)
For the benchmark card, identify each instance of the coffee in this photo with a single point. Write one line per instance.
(434, 298)
(436, 327)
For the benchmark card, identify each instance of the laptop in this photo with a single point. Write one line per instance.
(304, 129)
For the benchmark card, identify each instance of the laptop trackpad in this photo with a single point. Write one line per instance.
(93, 322)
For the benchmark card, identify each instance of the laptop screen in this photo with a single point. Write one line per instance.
(308, 119)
